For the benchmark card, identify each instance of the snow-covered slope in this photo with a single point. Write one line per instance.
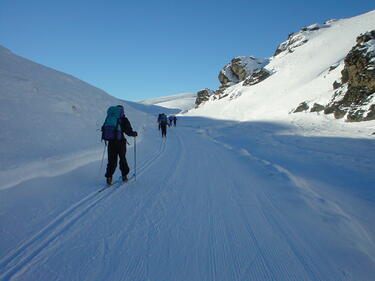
(301, 71)
(183, 102)
(49, 120)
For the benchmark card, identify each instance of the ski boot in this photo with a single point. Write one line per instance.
(109, 181)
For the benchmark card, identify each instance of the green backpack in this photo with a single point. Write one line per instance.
(111, 129)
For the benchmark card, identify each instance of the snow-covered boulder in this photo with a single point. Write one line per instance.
(355, 95)
(240, 68)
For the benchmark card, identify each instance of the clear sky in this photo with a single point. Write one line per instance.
(141, 49)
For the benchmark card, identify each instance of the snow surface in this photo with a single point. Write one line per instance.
(183, 102)
(216, 200)
(288, 198)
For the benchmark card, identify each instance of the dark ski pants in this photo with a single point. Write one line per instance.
(163, 129)
(117, 148)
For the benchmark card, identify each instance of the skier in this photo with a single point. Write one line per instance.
(159, 119)
(170, 119)
(174, 120)
(163, 125)
(112, 131)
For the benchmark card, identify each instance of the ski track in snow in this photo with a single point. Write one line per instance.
(201, 209)
(22, 258)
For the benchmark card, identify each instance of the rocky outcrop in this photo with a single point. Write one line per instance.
(257, 77)
(301, 107)
(317, 107)
(220, 92)
(355, 95)
(299, 38)
(240, 68)
(203, 96)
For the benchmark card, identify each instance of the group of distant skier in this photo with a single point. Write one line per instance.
(113, 129)
(164, 121)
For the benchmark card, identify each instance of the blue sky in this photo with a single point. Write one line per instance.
(141, 49)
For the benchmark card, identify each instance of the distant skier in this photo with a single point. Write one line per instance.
(170, 119)
(163, 125)
(174, 120)
(159, 120)
(112, 131)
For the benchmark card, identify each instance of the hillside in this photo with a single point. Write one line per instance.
(50, 120)
(303, 69)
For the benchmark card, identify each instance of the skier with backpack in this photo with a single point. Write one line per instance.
(113, 129)
(163, 124)
(170, 119)
(160, 116)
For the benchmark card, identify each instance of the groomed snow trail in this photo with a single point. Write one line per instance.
(198, 211)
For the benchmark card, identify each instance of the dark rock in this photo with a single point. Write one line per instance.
(257, 77)
(355, 116)
(278, 51)
(333, 67)
(370, 113)
(344, 76)
(336, 85)
(357, 99)
(329, 109)
(226, 75)
(219, 93)
(239, 68)
(202, 96)
(339, 113)
(301, 107)
(317, 108)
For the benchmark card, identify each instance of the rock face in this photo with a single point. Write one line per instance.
(240, 68)
(355, 95)
(303, 106)
(299, 38)
(202, 96)
(257, 77)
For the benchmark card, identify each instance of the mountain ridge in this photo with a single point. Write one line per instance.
(303, 68)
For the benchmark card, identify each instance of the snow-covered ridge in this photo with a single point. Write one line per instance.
(297, 39)
(183, 102)
(304, 69)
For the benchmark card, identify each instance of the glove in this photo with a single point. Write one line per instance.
(135, 134)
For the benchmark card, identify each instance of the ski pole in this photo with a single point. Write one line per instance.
(135, 158)
(101, 162)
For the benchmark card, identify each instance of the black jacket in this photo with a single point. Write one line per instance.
(127, 128)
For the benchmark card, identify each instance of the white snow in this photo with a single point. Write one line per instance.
(183, 102)
(232, 193)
